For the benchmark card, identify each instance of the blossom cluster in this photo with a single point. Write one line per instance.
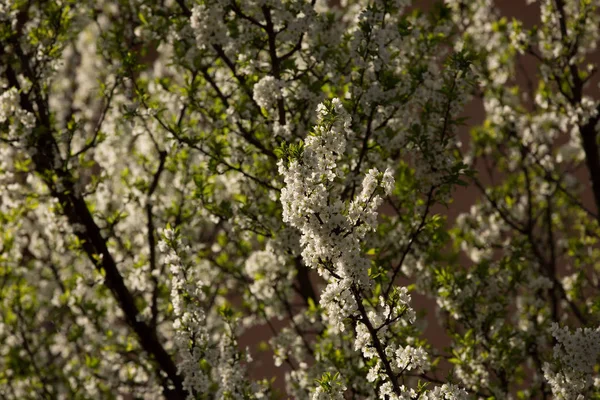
(177, 176)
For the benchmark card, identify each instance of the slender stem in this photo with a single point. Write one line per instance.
(376, 342)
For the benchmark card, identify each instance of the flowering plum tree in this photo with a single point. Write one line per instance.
(177, 173)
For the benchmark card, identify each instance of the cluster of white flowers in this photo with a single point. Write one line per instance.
(552, 41)
(21, 122)
(577, 352)
(206, 23)
(191, 335)
(306, 206)
(401, 357)
(272, 280)
(290, 347)
(446, 392)
(331, 234)
(267, 91)
(232, 382)
(330, 389)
